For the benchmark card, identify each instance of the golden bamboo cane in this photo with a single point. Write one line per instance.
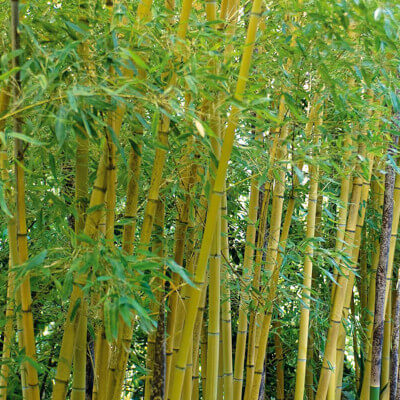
(226, 326)
(307, 281)
(13, 253)
(22, 240)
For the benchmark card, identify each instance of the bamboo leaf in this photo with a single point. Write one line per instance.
(25, 138)
(135, 57)
(10, 72)
(61, 132)
(3, 203)
(180, 271)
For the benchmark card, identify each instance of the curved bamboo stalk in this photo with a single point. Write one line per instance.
(81, 198)
(71, 324)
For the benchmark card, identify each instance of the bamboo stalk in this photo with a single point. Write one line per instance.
(22, 240)
(81, 198)
(256, 276)
(158, 361)
(13, 254)
(203, 353)
(309, 382)
(280, 362)
(387, 336)
(214, 288)
(307, 280)
(394, 360)
(71, 324)
(226, 325)
(380, 288)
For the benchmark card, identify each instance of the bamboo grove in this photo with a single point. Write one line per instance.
(199, 200)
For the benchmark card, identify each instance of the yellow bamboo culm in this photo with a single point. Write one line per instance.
(214, 290)
(242, 323)
(226, 325)
(254, 331)
(22, 239)
(307, 280)
(9, 330)
(91, 229)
